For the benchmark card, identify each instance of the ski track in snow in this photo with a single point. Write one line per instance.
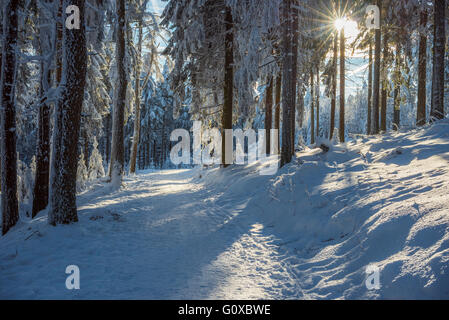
(308, 232)
(161, 237)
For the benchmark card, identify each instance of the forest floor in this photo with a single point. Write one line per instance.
(308, 232)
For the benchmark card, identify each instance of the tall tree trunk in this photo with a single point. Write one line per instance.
(370, 89)
(67, 125)
(287, 94)
(277, 111)
(397, 91)
(422, 71)
(318, 101)
(136, 135)
(59, 34)
(376, 84)
(86, 148)
(312, 107)
(334, 86)
(228, 92)
(269, 113)
(10, 206)
(439, 43)
(342, 85)
(42, 174)
(294, 73)
(1, 54)
(301, 106)
(116, 167)
(383, 110)
(108, 141)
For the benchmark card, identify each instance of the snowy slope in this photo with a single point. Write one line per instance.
(307, 233)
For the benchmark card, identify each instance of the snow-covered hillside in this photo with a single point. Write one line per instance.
(309, 232)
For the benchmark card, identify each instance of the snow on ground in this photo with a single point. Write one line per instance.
(308, 232)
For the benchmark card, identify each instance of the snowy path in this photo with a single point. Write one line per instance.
(308, 232)
(162, 237)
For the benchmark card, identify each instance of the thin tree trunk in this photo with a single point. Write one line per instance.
(277, 113)
(10, 206)
(294, 74)
(226, 120)
(376, 84)
(334, 86)
(397, 91)
(1, 85)
(300, 106)
(59, 34)
(67, 126)
(437, 108)
(42, 174)
(269, 113)
(342, 85)
(312, 107)
(86, 148)
(318, 101)
(370, 89)
(384, 97)
(116, 167)
(108, 138)
(422, 71)
(136, 135)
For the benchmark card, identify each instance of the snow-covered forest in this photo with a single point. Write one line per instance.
(136, 138)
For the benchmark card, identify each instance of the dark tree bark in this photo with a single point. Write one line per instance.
(376, 84)
(318, 101)
(108, 135)
(397, 91)
(370, 89)
(277, 111)
(300, 106)
(1, 54)
(334, 86)
(269, 113)
(384, 96)
(136, 135)
(422, 71)
(288, 97)
(439, 44)
(117, 163)
(10, 206)
(294, 73)
(228, 90)
(67, 125)
(342, 85)
(42, 176)
(312, 107)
